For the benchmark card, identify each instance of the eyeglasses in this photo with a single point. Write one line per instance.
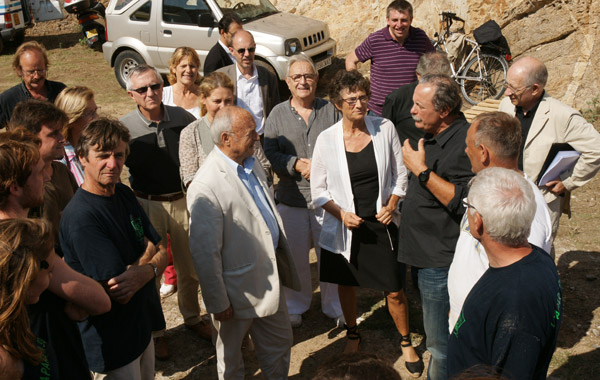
(467, 204)
(242, 50)
(514, 90)
(307, 77)
(352, 101)
(143, 90)
(30, 73)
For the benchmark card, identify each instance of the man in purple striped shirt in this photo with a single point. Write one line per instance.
(394, 52)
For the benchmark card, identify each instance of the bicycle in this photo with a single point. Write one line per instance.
(482, 73)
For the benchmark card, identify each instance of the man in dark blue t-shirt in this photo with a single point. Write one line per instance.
(106, 235)
(511, 317)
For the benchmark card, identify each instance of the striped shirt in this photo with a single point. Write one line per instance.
(392, 65)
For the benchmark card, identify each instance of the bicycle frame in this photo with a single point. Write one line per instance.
(475, 49)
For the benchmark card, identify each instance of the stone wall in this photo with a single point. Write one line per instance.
(562, 33)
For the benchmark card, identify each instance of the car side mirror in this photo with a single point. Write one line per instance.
(206, 20)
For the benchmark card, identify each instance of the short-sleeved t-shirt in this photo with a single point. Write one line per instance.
(392, 64)
(100, 236)
(59, 339)
(510, 320)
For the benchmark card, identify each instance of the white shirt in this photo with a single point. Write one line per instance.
(227, 50)
(168, 100)
(249, 97)
(330, 180)
(470, 260)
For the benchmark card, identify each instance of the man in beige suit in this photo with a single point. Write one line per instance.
(240, 250)
(545, 121)
(255, 88)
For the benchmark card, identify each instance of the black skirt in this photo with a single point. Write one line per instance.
(373, 259)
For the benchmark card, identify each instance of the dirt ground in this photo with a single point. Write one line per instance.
(577, 247)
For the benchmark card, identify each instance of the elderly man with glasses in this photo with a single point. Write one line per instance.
(31, 65)
(291, 131)
(545, 121)
(255, 87)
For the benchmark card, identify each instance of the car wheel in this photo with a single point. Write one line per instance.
(124, 63)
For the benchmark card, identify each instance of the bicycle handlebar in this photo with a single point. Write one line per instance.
(452, 16)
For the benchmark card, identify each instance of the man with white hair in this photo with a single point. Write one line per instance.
(493, 140)
(546, 121)
(512, 316)
(291, 132)
(240, 250)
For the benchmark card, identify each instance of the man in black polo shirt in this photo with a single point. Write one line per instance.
(432, 210)
(31, 65)
(154, 176)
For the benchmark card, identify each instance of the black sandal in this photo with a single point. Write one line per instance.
(352, 333)
(415, 369)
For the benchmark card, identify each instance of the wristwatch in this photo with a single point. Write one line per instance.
(155, 269)
(424, 176)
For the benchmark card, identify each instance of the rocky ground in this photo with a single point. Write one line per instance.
(578, 352)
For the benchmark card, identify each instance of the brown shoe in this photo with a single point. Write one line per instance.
(203, 329)
(161, 348)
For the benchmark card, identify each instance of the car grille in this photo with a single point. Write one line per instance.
(313, 39)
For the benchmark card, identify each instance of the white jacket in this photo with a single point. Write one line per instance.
(330, 179)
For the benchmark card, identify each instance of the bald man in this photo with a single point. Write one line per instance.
(545, 121)
(255, 88)
(240, 250)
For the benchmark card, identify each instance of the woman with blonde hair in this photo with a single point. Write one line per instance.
(184, 77)
(79, 105)
(26, 265)
(195, 142)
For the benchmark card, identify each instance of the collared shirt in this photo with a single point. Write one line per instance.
(526, 120)
(227, 50)
(71, 161)
(249, 97)
(287, 138)
(15, 95)
(153, 161)
(429, 230)
(392, 64)
(251, 183)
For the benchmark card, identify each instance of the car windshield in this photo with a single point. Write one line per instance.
(248, 10)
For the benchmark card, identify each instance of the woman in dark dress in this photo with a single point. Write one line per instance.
(358, 177)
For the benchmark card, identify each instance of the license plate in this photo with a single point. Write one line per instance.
(91, 33)
(16, 19)
(324, 63)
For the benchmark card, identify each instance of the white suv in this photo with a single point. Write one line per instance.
(149, 31)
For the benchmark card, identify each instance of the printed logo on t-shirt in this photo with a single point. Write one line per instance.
(556, 316)
(45, 363)
(138, 227)
(461, 321)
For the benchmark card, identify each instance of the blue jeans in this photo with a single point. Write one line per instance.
(433, 285)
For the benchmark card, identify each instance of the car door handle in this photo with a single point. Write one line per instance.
(167, 32)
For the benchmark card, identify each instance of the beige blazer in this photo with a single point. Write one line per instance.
(556, 122)
(231, 244)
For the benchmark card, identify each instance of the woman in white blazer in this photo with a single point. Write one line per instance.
(358, 177)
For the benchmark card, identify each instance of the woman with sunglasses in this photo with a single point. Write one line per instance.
(185, 79)
(358, 177)
(26, 265)
(79, 105)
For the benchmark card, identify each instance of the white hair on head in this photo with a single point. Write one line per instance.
(301, 57)
(506, 203)
(222, 123)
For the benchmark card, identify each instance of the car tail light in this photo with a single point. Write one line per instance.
(8, 21)
(105, 30)
(508, 57)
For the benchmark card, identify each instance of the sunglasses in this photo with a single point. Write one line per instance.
(143, 90)
(250, 50)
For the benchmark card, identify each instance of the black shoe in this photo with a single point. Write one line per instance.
(415, 369)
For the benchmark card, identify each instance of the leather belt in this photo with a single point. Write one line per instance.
(160, 198)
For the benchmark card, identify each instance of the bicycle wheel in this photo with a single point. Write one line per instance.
(483, 79)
